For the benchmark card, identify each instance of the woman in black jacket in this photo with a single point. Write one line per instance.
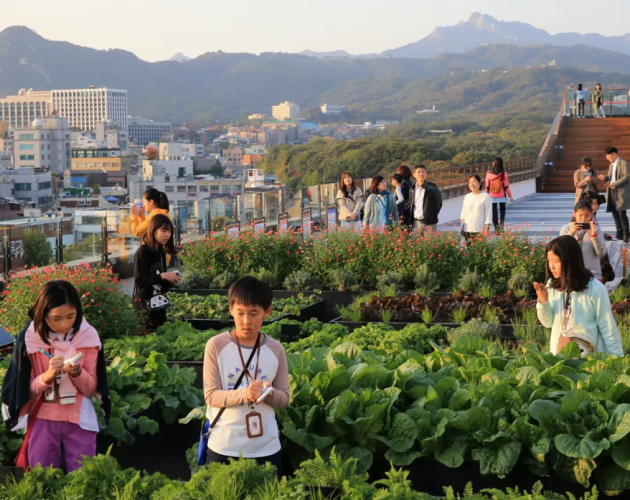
(150, 274)
(405, 211)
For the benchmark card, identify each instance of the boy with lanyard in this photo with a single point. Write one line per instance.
(245, 378)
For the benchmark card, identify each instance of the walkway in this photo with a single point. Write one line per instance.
(544, 214)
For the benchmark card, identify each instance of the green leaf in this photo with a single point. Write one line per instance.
(576, 447)
(402, 459)
(619, 424)
(115, 428)
(459, 399)
(621, 453)
(401, 435)
(146, 425)
(372, 376)
(363, 455)
(475, 419)
(450, 457)
(612, 479)
(499, 460)
(528, 375)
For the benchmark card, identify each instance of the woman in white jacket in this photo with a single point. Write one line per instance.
(350, 200)
(476, 214)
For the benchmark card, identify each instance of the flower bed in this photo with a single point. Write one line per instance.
(105, 306)
(352, 262)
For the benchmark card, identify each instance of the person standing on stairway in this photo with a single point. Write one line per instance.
(618, 192)
(580, 99)
(584, 179)
(598, 101)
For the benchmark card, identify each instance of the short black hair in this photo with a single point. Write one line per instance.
(397, 177)
(611, 149)
(586, 161)
(250, 291)
(583, 205)
(575, 277)
(54, 294)
(473, 176)
(420, 166)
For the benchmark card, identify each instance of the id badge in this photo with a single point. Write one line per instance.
(50, 394)
(253, 421)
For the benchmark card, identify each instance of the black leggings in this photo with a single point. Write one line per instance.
(495, 216)
(275, 460)
(581, 107)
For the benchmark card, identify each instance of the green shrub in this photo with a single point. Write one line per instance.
(301, 280)
(426, 280)
(470, 281)
(223, 280)
(342, 281)
(476, 327)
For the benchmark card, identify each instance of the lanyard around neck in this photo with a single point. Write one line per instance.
(566, 311)
(240, 353)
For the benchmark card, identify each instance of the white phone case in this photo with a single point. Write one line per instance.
(265, 393)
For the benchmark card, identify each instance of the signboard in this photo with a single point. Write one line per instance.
(331, 213)
(306, 223)
(259, 225)
(283, 222)
(233, 229)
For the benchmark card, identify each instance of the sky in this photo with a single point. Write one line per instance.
(157, 29)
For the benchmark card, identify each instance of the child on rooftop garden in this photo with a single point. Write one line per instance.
(47, 390)
(150, 275)
(245, 378)
(575, 305)
(476, 213)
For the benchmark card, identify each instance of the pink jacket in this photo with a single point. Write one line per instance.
(505, 192)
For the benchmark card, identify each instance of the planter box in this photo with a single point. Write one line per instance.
(164, 452)
(332, 299)
(316, 310)
(430, 476)
(507, 331)
(6, 471)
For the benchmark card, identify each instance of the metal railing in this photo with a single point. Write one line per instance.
(616, 102)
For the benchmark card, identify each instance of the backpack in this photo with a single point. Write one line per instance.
(496, 185)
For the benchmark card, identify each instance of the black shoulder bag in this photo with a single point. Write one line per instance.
(206, 427)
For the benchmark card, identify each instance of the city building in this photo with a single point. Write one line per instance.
(175, 178)
(183, 133)
(142, 131)
(112, 135)
(257, 116)
(328, 109)
(71, 199)
(255, 149)
(285, 111)
(45, 144)
(20, 110)
(102, 159)
(31, 185)
(84, 108)
(233, 157)
(251, 160)
(432, 110)
(195, 150)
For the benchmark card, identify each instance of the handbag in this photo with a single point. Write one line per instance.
(22, 459)
(206, 426)
(608, 273)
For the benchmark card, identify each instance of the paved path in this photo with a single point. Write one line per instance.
(544, 214)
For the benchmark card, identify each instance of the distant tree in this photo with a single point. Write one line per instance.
(216, 170)
(96, 189)
(83, 249)
(37, 249)
(152, 153)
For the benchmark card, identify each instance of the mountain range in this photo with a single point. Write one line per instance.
(219, 85)
(481, 29)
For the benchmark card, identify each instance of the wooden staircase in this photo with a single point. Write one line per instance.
(587, 137)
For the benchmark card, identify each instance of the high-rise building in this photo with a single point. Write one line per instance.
(31, 185)
(285, 111)
(142, 131)
(328, 109)
(20, 110)
(45, 144)
(85, 107)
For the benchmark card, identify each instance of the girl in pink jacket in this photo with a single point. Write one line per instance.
(499, 190)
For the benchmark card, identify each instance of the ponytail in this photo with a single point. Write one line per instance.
(157, 197)
(163, 201)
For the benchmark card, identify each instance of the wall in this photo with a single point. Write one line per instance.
(452, 209)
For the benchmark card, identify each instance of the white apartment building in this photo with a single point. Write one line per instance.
(45, 144)
(84, 108)
(285, 111)
(20, 110)
(175, 178)
(31, 185)
(142, 131)
(328, 109)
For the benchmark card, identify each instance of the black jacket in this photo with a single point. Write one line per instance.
(16, 387)
(148, 264)
(431, 206)
(404, 208)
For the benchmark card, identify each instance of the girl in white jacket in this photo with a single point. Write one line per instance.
(476, 214)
